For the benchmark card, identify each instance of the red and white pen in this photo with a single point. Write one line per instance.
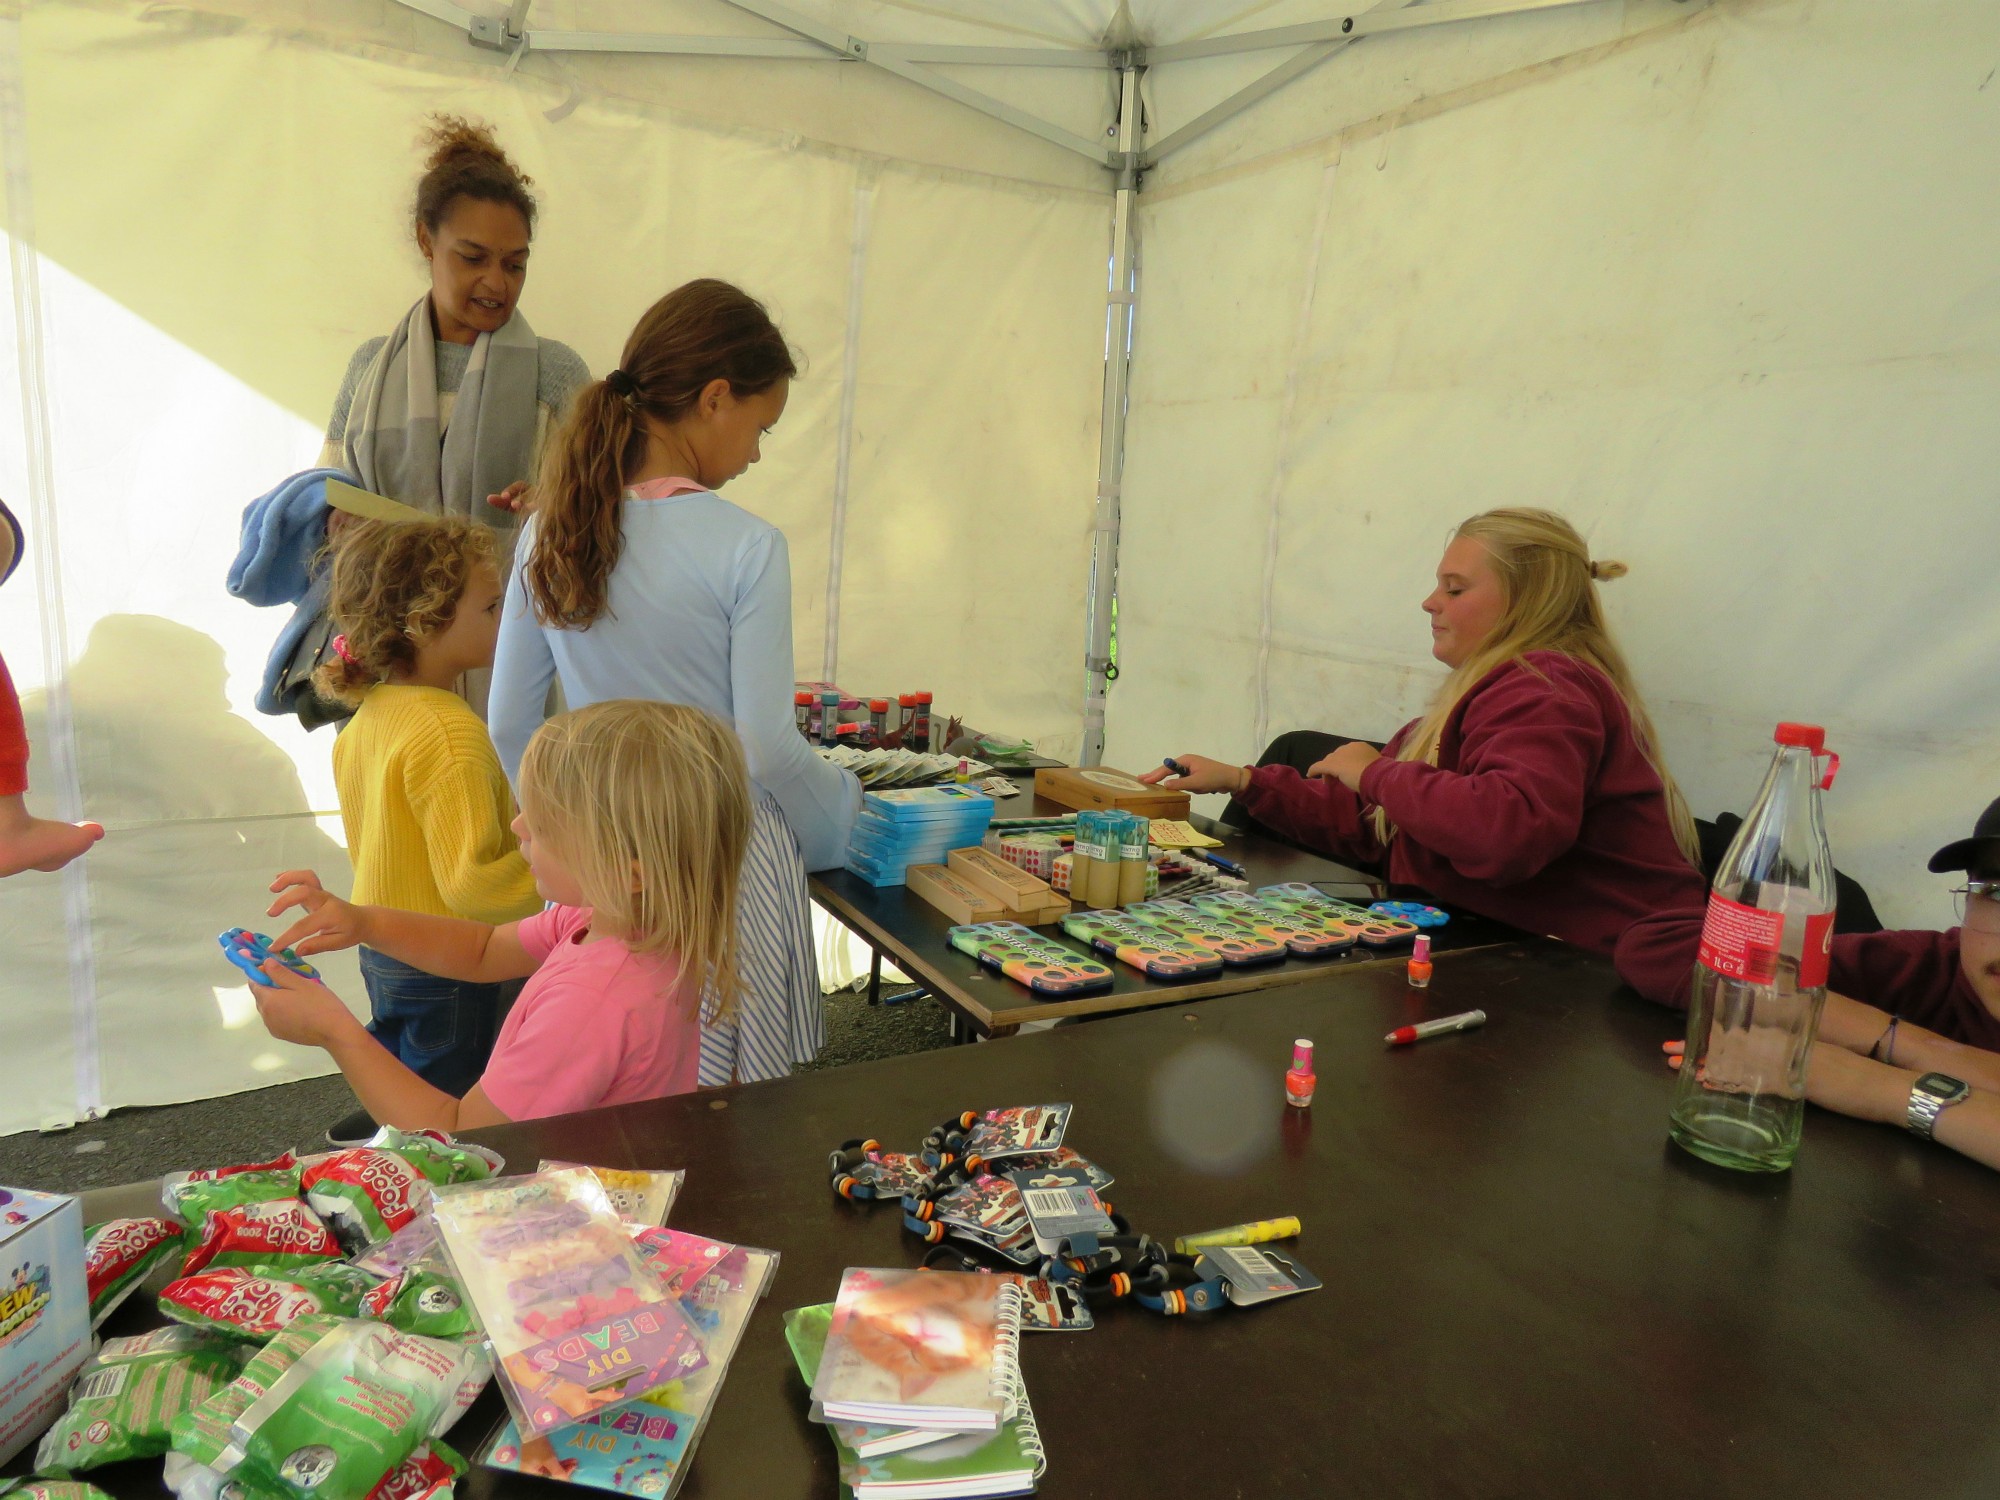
(1438, 1027)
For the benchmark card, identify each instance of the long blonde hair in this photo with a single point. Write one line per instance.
(649, 806)
(1550, 583)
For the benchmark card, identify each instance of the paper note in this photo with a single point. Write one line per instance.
(367, 506)
(1170, 833)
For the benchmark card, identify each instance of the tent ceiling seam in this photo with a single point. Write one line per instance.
(850, 369)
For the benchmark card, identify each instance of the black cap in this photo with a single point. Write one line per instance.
(1980, 853)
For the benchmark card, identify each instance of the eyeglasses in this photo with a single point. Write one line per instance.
(1979, 905)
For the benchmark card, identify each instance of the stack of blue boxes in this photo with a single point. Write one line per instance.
(914, 826)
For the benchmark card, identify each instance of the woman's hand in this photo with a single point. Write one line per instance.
(297, 1009)
(329, 923)
(1346, 764)
(514, 498)
(1203, 775)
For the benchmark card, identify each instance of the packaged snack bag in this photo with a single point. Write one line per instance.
(126, 1399)
(427, 1474)
(280, 1232)
(427, 1302)
(439, 1157)
(578, 1322)
(341, 1415)
(366, 1194)
(255, 1303)
(118, 1256)
(193, 1196)
(50, 1489)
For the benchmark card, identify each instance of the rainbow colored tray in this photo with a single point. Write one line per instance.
(1027, 957)
(1302, 937)
(1231, 941)
(1309, 903)
(1151, 950)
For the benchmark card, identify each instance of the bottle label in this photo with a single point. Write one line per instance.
(1818, 951)
(1741, 942)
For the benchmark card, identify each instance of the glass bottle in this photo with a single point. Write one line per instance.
(1760, 980)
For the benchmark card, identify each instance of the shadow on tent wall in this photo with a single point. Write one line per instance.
(202, 811)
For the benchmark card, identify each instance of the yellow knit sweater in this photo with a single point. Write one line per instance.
(427, 809)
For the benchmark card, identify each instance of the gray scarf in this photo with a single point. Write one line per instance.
(393, 442)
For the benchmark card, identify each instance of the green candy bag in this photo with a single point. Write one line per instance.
(50, 1489)
(346, 1410)
(426, 1303)
(128, 1394)
(255, 1302)
(193, 1197)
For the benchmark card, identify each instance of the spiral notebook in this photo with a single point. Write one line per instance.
(954, 1466)
(931, 1349)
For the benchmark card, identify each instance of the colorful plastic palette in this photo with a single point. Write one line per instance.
(1411, 911)
(1027, 957)
(1301, 939)
(1153, 952)
(1308, 901)
(1235, 944)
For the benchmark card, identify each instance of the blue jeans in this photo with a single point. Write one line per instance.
(441, 1029)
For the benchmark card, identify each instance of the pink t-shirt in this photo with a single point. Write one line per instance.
(596, 1024)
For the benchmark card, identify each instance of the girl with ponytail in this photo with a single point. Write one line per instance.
(635, 579)
(1533, 790)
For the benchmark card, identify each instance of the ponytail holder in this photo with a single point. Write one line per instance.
(621, 384)
(340, 650)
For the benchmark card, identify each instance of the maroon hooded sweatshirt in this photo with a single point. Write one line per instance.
(1542, 812)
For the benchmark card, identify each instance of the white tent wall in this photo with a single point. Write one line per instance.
(216, 203)
(1720, 289)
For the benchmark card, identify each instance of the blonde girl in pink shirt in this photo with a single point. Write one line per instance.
(634, 818)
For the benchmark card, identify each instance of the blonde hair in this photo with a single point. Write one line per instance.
(395, 584)
(1550, 583)
(648, 804)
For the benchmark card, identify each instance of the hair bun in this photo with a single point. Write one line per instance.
(451, 137)
(1607, 570)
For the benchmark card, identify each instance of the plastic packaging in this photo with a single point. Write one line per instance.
(1099, 885)
(249, 1303)
(280, 1233)
(193, 1196)
(577, 1322)
(129, 1393)
(637, 1197)
(118, 1256)
(1760, 978)
(1135, 847)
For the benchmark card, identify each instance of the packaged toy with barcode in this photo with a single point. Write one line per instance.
(329, 1409)
(1257, 1273)
(1024, 1128)
(578, 1322)
(119, 1254)
(1062, 1206)
(126, 1399)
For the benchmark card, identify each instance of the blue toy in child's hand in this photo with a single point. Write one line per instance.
(248, 950)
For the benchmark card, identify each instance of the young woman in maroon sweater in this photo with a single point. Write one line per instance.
(1532, 791)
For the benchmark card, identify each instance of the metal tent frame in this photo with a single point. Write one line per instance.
(1124, 155)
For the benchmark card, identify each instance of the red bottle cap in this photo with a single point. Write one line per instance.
(802, 697)
(1811, 736)
(907, 700)
(923, 697)
(878, 705)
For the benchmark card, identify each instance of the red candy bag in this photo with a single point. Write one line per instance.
(120, 1254)
(259, 1304)
(282, 1232)
(366, 1194)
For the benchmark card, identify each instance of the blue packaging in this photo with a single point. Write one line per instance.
(44, 1311)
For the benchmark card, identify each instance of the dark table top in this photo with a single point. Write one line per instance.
(1529, 1292)
(911, 932)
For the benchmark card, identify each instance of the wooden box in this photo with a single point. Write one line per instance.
(1001, 880)
(957, 898)
(1102, 787)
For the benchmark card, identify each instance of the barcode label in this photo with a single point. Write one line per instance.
(1054, 1202)
(108, 1381)
(1253, 1261)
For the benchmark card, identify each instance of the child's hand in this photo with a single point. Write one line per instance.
(1203, 775)
(1346, 764)
(297, 1009)
(513, 498)
(329, 923)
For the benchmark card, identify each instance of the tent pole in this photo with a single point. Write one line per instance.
(1121, 303)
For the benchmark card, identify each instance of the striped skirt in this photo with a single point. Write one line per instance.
(779, 1020)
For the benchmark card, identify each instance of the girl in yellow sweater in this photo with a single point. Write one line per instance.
(425, 803)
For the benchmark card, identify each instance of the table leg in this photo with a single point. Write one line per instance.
(874, 976)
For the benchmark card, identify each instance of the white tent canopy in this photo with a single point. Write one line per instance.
(1712, 279)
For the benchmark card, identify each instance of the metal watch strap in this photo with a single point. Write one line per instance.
(1924, 1109)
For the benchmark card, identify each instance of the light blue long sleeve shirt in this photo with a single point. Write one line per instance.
(700, 612)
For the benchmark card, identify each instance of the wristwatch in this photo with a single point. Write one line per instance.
(1930, 1096)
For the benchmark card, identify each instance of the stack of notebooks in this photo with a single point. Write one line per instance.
(914, 826)
(917, 1376)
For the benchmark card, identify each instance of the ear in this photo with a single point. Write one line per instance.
(714, 395)
(638, 884)
(424, 246)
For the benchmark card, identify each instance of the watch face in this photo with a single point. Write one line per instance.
(1943, 1087)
